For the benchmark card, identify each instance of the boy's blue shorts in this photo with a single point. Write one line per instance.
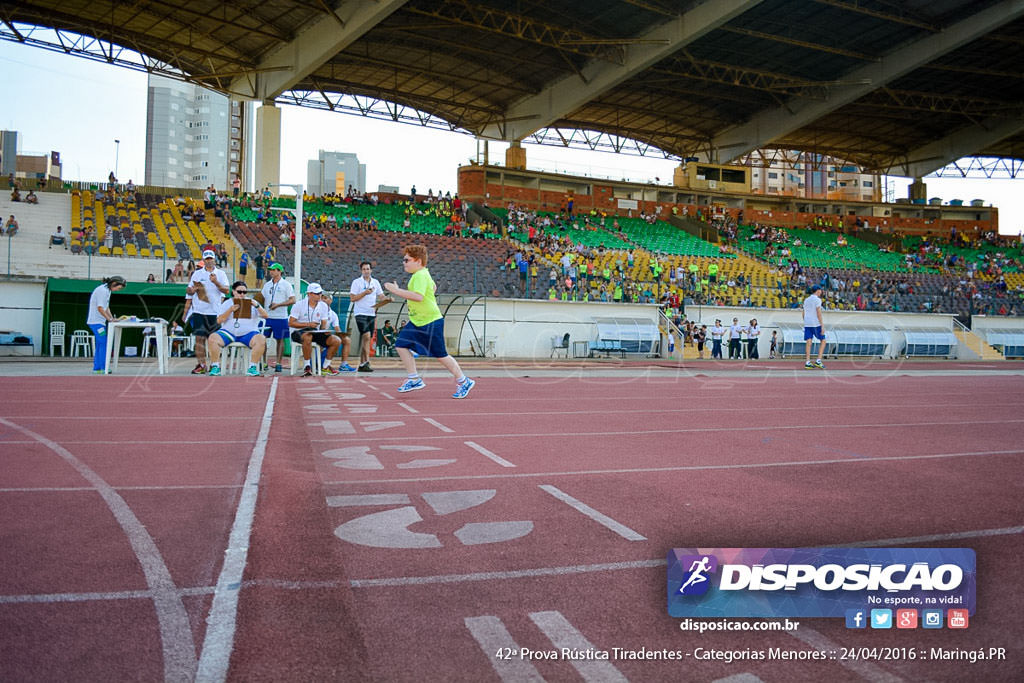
(426, 341)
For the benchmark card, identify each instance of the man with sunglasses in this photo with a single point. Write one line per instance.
(239, 320)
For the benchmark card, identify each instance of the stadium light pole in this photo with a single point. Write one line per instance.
(297, 212)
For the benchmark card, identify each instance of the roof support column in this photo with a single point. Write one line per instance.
(268, 145)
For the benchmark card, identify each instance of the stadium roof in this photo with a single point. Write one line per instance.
(908, 86)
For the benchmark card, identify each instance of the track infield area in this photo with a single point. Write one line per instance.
(287, 529)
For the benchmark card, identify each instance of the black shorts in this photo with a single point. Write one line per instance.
(203, 325)
(319, 336)
(366, 324)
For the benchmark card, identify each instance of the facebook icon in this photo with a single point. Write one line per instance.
(856, 618)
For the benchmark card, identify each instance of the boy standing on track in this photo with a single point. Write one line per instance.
(814, 328)
(425, 332)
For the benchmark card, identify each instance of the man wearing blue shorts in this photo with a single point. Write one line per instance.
(814, 328)
(424, 334)
(278, 296)
(235, 326)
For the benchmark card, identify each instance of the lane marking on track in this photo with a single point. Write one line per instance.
(683, 468)
(221, 621)
(171, 487)
(712, 430)
(178, 648)
(438, 424)
(488, 454)
(408, 407)
(865, 669)
(562, 634)
(492, 636)
(601, 518)
(387, 396)
(571, 570)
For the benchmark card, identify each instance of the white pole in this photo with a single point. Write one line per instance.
(298, 236)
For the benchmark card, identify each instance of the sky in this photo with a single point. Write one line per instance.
(80, 107)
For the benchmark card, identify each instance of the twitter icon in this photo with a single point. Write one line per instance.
(881, 618)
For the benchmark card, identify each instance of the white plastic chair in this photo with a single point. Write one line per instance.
(82, 340)
(57, 329)
(235, 358)
(298, 362)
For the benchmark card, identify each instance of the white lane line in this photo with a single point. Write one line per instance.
(682, 468)
(387, 396)
(221, 621)
(179, 651)
(367, 499)
(643, 564)
(715, 430)
(370, 386)
(602, 519)
(739, 678)
(184, 487)
(510, 574)
(486, 453)
(408, 407)
(492, 636)
(863, 668)
(956, 535)
(562, 634)
(438, 425)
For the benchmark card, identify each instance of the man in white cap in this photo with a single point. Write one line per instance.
(206, 289)
(308, 322)
(278, 295)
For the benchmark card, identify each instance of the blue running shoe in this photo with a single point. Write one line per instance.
(411, 385)
(253, 371)
(345, 367)
(214, 371)
(463, 388)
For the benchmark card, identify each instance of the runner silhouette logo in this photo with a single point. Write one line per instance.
(695, 581)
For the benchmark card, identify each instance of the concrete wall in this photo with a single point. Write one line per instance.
(768, 319)
(522, 328)
(22, 311)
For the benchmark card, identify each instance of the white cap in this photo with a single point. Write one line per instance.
(314, 288)
(209, 254)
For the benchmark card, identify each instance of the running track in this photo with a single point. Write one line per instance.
(408, 537)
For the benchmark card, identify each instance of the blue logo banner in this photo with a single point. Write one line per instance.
(817, 582)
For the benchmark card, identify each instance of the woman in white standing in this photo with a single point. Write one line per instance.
(753, 333)
(99, 316)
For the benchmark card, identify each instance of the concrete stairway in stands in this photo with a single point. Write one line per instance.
(977, 346)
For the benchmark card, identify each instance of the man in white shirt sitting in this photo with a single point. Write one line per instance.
(308, 322)
(334, 326)
(278, 296)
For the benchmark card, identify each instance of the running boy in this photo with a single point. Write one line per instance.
(425, 332)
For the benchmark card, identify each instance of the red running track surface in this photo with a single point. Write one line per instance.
(405, 537)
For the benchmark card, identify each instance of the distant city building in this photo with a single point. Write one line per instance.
(393, 189)
(29, 166)
(10, 141)
(812, 176)
(334, 172)
(193, 136)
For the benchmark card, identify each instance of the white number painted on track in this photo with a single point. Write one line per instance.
(363, 458)
(390, 528)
